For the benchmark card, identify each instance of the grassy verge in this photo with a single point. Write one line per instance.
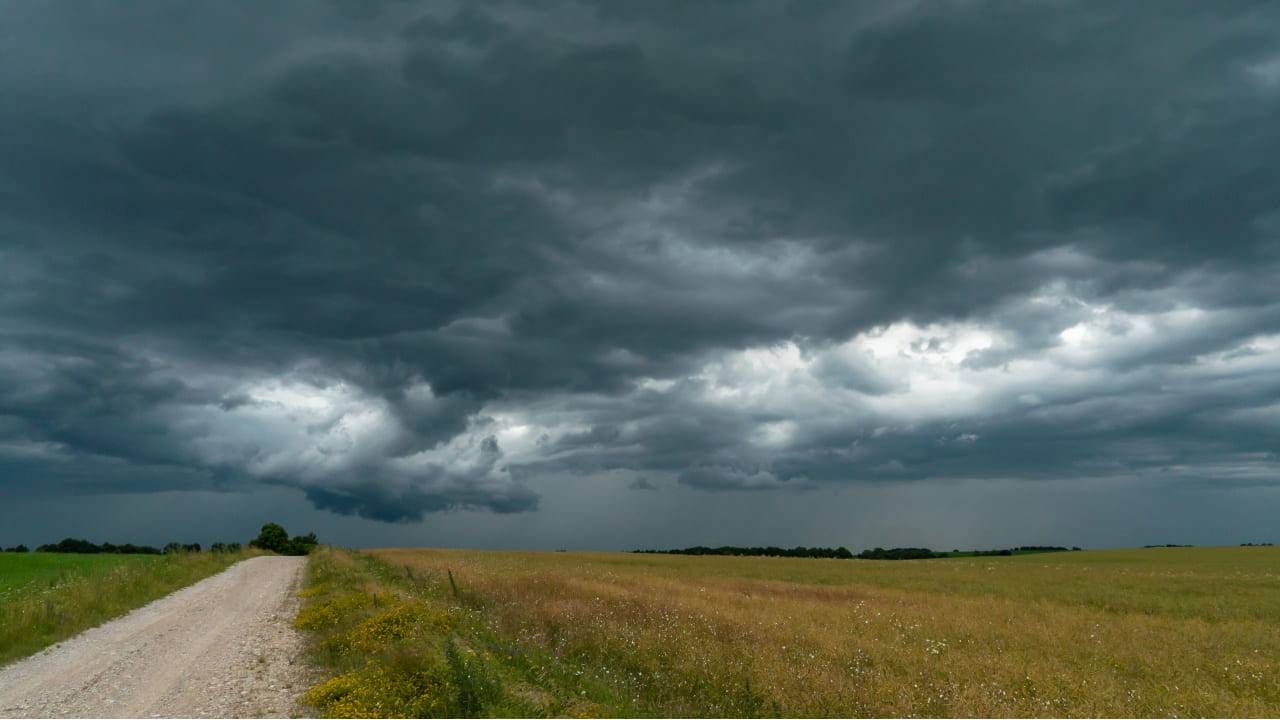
(45, 597)
(395, 644)
(1131, 633)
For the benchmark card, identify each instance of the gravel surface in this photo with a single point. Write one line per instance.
(223, 647)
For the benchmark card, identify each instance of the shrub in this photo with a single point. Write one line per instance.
(301, 545)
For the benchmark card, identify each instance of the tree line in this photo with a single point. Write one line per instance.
(84, 547)
(771, 551)
(272, 537)
(844, 554)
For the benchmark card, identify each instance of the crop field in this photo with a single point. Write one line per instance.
(25, 573)
(47, 597)
(1152, 632)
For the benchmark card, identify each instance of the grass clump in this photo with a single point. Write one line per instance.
(47, 597)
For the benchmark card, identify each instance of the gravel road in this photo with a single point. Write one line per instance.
(223, 647)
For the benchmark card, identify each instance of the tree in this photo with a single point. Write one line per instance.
(272, 537)
(71, 545)
(302, 544)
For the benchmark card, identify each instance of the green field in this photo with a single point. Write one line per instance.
(1162, 632)
(47, 597)
(25, 573)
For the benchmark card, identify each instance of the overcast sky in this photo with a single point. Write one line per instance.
(640, 274)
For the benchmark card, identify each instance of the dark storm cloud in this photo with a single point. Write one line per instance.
(406, 257)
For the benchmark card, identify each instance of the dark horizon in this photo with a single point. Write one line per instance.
(576, 273)
(674, 550)
(159, 540)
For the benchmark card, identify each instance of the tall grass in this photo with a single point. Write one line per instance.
(52, 606)
(1135, 633)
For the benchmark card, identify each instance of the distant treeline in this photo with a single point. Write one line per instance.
(76, 545)
(771, 551)
(844, 554)
(1171, 545)
(907, 553)
(1020, 550)
(272, 537)
(927, 554)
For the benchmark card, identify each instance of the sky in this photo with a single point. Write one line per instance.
(608, 275)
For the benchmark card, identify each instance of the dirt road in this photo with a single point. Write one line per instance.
(223, 647)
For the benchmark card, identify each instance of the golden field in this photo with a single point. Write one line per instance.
(1167, 632)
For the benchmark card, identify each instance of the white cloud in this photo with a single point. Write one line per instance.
(291, 428)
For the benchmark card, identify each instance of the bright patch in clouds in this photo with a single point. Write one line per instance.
(291, 428)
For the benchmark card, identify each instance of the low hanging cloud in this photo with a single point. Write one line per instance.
(416, 258)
